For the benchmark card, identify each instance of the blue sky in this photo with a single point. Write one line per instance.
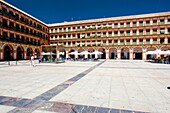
(53, 11)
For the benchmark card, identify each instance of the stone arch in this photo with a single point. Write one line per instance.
(72, 56)
(79, 51)
(62, 53)
(165, 48)
(37, 53)
(112, 53)
(8, 51)
(20, 53)
(103, 55)
(125, 53)
(29, 52)
(150, 56)
(137, 53)
(91, 50)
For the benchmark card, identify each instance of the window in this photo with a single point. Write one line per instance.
(128, 24)
(134, 23)
(155, 22)
(169, 30)
(134, 32)
(110, 41)
(168, 21)
(121, 24)
(148, 22)
(162, 31)
(168, 40)
(162, 21)
(134, 41)
(128, 41)
(162, 40)
(140, 23)
(154, 31)
(121, 42)
(154, 40)
(116, 25)
(140, 32)
(147, 31)
(4, 23)
(121, 33)
(83, 27)
(104, 34)
(69, 29)
(128, 33)
(148, 41)
(115, 33)
(140, 41)
(115, 42)
(110, 33)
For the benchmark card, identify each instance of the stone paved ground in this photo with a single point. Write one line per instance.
(85, 87)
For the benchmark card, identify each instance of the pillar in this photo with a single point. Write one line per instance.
(96, 55)
(25, 54)
(107, 54)
(144, 54)
(86, 55)
(67, 54)
(131, 54)
(15, 54)
(76, 55)
(118, 54)
(58, 55)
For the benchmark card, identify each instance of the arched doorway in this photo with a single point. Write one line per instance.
(113, 53)
(62, 53)
(37, 53)
(29, 53)
(103, 55)
(166, 48)
(8, 51)
(137, 53)
(72, 56)
(151, 56)
(91, 56)
(81, 56)
(124, 53)
(20, 53)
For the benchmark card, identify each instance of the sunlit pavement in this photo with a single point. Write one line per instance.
(85, 87)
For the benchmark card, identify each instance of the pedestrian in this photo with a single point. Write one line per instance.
(32, 60)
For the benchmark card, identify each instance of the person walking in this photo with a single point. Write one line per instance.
(32, 60)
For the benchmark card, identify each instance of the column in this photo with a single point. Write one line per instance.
(118, 54)
(107, 54)
(15, 54)
(144, 54)
(25, 54)
(67, 56)
(76, 55)
(131, 54)
(58, 55)
(86, 55)
(96, 55)
(1, 55)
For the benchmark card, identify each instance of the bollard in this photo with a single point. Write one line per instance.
(168, 87)
(16, 62)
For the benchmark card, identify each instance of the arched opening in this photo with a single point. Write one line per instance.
(124, 53)
(20, 53)
(113, 53)
(62, 54)
(29, 53)
(71, 54)
(151, 56)
(8, 51)
(81, 56)
(37, 53)
(164, 49)
(137, 53)
(91, 56)
(103, 55)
